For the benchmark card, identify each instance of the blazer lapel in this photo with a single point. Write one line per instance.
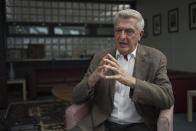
(141, 65)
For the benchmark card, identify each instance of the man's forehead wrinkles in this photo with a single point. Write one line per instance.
(125, 28)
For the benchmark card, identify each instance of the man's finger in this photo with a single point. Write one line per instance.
(109, 62)
(112, 59)
(111, 68)
(115, 77)
(102, 61)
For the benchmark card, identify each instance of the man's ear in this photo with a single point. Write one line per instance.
(141, 34)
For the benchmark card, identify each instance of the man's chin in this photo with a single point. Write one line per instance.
(123, 51)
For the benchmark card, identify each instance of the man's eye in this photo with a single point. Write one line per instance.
(129, 31)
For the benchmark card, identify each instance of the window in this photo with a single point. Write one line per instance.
(28, 30)
(61, 29)
(70, 30)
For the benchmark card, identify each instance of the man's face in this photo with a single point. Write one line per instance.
(126, 35)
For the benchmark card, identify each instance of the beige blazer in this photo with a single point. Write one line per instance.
(151, 93)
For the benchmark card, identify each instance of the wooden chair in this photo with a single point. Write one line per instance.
(75, 113)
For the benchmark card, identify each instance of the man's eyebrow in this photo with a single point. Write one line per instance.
(124, 28)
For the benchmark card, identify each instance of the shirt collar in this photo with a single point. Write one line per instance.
(132, 54)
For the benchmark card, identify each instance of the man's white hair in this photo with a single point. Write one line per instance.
(128, 13)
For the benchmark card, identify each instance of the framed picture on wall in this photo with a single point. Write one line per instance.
(192, 15)
(173, 20)
(145, 28)
(156, 22)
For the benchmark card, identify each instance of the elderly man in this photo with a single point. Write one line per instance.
(126, 86)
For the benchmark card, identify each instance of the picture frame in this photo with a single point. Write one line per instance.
(173, 20)
(35, 51)
(192, 15)
(156, 22)
(145, 35)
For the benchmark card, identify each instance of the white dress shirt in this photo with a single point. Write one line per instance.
(124, 111)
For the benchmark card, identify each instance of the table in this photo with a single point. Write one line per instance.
(19, 81)
(190, 94)
(63, 92)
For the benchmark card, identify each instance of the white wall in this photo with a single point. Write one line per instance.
(179, 47)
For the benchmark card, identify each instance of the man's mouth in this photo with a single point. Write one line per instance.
(123, 44)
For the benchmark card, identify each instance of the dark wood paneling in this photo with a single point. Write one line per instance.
(2, 39)
(3, 93)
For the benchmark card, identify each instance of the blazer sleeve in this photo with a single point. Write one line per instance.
(157, 93)
(81, 92)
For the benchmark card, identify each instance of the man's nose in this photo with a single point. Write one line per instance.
(123, 34)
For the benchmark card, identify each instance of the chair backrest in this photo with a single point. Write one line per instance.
(165, 121)
(74, 113)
